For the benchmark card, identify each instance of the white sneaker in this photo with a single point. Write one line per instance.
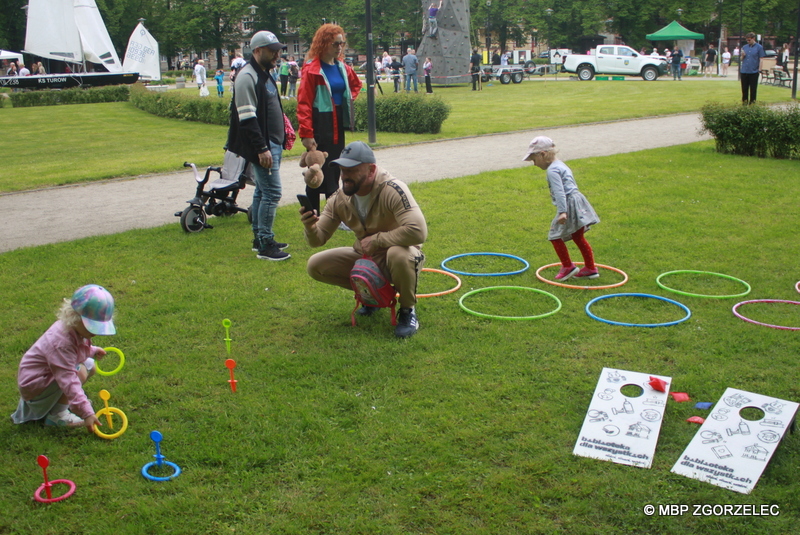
(63, 419)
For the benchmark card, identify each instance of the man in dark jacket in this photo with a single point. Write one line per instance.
(257, 134)
(475, 69)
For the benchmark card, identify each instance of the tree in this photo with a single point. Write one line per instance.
(12, 24)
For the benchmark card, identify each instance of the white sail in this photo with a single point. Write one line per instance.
(51, 32)
(69, 30)
(142, 54)
(97, 45)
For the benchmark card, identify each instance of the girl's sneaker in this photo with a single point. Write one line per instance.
(586, 273)
(566, 272)
(63, 419)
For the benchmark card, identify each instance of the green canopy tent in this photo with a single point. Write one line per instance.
(673, 32)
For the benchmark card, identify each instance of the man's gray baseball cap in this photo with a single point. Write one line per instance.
(355, 154)
(267, 39)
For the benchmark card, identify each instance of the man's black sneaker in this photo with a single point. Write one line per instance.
(257, 245)
(366, 311)
(270, 251)
(407, 323)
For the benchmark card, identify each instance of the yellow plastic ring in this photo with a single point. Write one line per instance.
(112, 410)
(118, 368)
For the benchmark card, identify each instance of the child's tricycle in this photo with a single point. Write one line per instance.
(220, 197)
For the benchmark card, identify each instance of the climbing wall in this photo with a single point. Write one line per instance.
(450, 50)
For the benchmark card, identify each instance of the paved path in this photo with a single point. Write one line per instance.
(70, 212)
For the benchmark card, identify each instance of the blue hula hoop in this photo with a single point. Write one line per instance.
(503, 255)
(667, 324)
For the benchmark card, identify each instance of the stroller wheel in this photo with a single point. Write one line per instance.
(250, 215)
(193, 219)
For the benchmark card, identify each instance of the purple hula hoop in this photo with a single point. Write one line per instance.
(736, 313)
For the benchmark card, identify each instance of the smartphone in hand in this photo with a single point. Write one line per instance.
(305, 202)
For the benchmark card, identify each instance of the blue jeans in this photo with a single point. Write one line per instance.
(267, 195)
(409, 77)
(676, 71)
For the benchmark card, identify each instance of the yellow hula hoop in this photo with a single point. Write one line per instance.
(575, 286)
(115, 370)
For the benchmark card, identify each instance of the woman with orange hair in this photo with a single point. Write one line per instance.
(325, 103)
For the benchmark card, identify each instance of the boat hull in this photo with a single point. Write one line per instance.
(62, 81)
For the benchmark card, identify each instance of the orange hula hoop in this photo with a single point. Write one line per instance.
(576, 287)
(437, 294)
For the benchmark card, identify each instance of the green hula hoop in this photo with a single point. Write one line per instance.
(118, 368)
(490, 316)
(688, 294)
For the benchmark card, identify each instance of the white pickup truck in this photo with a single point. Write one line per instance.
(615, 59)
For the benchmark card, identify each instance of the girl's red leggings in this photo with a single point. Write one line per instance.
(583, 246)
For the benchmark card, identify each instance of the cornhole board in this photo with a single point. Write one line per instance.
(730, 451)
(619, 428)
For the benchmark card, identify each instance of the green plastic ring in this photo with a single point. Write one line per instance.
(490, 316)
(658, 281)
(118, 368)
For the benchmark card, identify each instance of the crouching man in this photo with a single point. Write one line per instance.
(388, 225)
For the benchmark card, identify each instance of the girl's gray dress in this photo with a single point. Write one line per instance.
(566, 198)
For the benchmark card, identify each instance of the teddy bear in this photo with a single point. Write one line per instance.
(313, 160)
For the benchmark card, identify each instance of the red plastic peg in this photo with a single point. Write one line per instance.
(44, 462)
(231, 364)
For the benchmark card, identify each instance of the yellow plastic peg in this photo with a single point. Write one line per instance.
(227, 324)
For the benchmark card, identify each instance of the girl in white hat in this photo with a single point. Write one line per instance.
(574, 214)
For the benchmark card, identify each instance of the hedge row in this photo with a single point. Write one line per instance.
(54, 97)
(754, 130)
(174, 105)
(405, 113)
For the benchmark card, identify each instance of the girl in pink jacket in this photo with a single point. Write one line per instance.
(52, 372)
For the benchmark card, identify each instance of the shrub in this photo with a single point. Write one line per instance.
(755, 130)
(174, 74)
(405, 113)
(415, 114)
(290, 110)
(174, 105)
(54, 97)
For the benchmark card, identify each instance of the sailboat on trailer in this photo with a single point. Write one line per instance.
(72, 31)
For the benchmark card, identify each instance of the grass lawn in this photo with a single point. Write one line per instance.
(466, 428)
(66, 144)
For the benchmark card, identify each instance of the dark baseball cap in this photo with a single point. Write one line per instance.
(355, 154)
